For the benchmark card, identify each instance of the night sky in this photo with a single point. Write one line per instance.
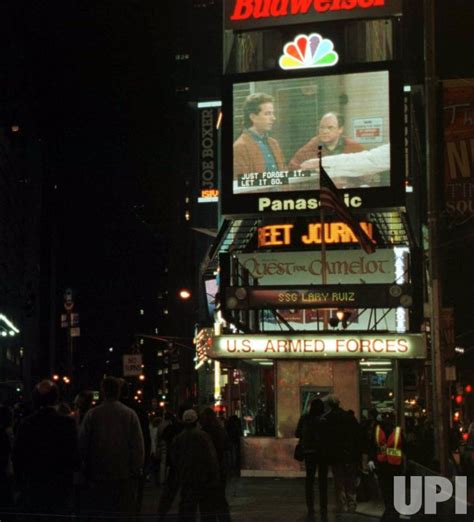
(96, 78)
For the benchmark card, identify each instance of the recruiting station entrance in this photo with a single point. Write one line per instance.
(296, 369)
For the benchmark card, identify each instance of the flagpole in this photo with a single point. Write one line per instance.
(323, 243)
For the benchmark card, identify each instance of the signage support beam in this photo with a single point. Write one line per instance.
(434, 282)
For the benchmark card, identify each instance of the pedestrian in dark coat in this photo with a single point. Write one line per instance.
(312, 432)
(346, 449)
(213, 427)
(171, 483)
(234, 430)
(45, 455)
(198, 470)
(83, 403)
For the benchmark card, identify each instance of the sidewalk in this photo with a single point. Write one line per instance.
(272, 500)
(283, 500)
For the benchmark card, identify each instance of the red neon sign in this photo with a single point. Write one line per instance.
(267, 8)
(285, 12)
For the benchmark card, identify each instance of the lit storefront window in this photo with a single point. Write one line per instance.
(254, 397)
(376, 386)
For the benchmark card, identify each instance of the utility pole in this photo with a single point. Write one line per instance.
(434, 282)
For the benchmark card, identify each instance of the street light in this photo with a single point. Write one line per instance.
(184, 294)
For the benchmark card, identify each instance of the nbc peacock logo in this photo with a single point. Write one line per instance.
(305, 52)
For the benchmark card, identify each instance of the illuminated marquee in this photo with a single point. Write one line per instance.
(318, 296)
(306, 267)
(283, 234)
(293, 346)
(266, 8)
(242, 14)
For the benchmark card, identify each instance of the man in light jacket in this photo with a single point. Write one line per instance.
(112, 448)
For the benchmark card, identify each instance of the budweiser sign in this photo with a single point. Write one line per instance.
(250, 14)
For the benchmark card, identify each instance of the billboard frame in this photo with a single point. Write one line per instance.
(387, 198)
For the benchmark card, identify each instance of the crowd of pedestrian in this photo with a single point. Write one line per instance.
(93, 459)
(332, 438)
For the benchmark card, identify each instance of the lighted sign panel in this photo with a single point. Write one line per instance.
(211, 289)
(313, 346)
(459, 150)
(254, 14)
(355, 116)
(319, 296)
(305, 268)
(344, 267)
(208, 154)
(309, 234)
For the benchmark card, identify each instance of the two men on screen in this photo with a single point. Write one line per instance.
(330, 137)
(254, 150)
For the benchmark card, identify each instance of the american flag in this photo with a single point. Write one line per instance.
(330, 200)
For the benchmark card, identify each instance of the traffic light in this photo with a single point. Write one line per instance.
(468, 388)
(457, 404)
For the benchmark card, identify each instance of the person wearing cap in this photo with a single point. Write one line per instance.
(198, 470)
(45, 455)
(345, 454)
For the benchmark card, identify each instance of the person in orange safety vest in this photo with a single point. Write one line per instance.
(386, 459)
(389, 450)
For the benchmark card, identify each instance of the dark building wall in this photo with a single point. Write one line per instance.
(454, 30)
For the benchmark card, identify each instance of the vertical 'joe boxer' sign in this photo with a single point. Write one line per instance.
(252, 14)
(208, 145)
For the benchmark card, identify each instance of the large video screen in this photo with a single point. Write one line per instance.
(283, 129)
